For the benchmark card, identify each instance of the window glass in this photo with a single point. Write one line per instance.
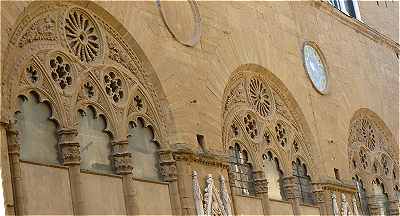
(242, 171)
(144, 150)
(37, 133)
(95, 143)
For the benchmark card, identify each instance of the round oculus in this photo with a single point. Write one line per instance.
(315, 68)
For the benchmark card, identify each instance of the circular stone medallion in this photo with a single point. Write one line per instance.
(315, 67)
(182, 19)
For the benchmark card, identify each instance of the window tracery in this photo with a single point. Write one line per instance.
(303, 182)
(281, 134)
(113, 85)
(271, 124)
(32, 74)
(367, 144)
(251, 126)
(82, 35)
(61, 71)
(241, 171)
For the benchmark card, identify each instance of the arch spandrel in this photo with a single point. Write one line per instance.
(281, 107)
(43, 28)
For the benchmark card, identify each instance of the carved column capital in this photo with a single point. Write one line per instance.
(122, 158)
(394, 207)
(261, 186)
(168, 166)
(291, 188)
(14, 147)
(69, 146)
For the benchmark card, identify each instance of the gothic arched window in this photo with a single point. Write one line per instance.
(37, 133)
(303, 182)
(274, 175)
(362, 199)
(144, 150)
(95, 143)
(241, 171)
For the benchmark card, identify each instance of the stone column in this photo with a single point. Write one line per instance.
(123, 166)
(374, 207)
(394, 204)
(15, 168)
(185, 184)
(70, 155)
(169, 174)
(321, 200)
(261, 186)
(292, 193)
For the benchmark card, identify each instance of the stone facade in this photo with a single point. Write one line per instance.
(196, 107)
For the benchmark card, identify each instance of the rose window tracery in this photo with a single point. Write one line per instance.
(281, 134)
(82, 35)
(61, 72)
(260, 97)
(368, 133)
(251, 126)
(32, 74)
(114, 86)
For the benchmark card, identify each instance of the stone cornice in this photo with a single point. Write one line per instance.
(335, 186)
(208, 158)
(358, 26)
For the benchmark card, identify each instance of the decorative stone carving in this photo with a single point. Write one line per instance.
(168, 168)
(13, 146)
(61, 71)
(82, 35)
(42, 29)
(366, 132)
(355, 208)
(261, 186)
(214, 202)
(281, 134)
(32, 74)
(69, 146)
(122, 158)
(345, 207)
(88, 90)
(113, 86)
(335, 205)
(291, 188)
(260, 97)
(251, 126)
(236, 95)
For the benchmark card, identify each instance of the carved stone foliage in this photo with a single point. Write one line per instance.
(42, 29)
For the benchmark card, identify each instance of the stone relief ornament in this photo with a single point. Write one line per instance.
(260, 97)
(82, 34)
(214, 202)
(345, 207)
(355, 208)
(335, 207)
(42, 29)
